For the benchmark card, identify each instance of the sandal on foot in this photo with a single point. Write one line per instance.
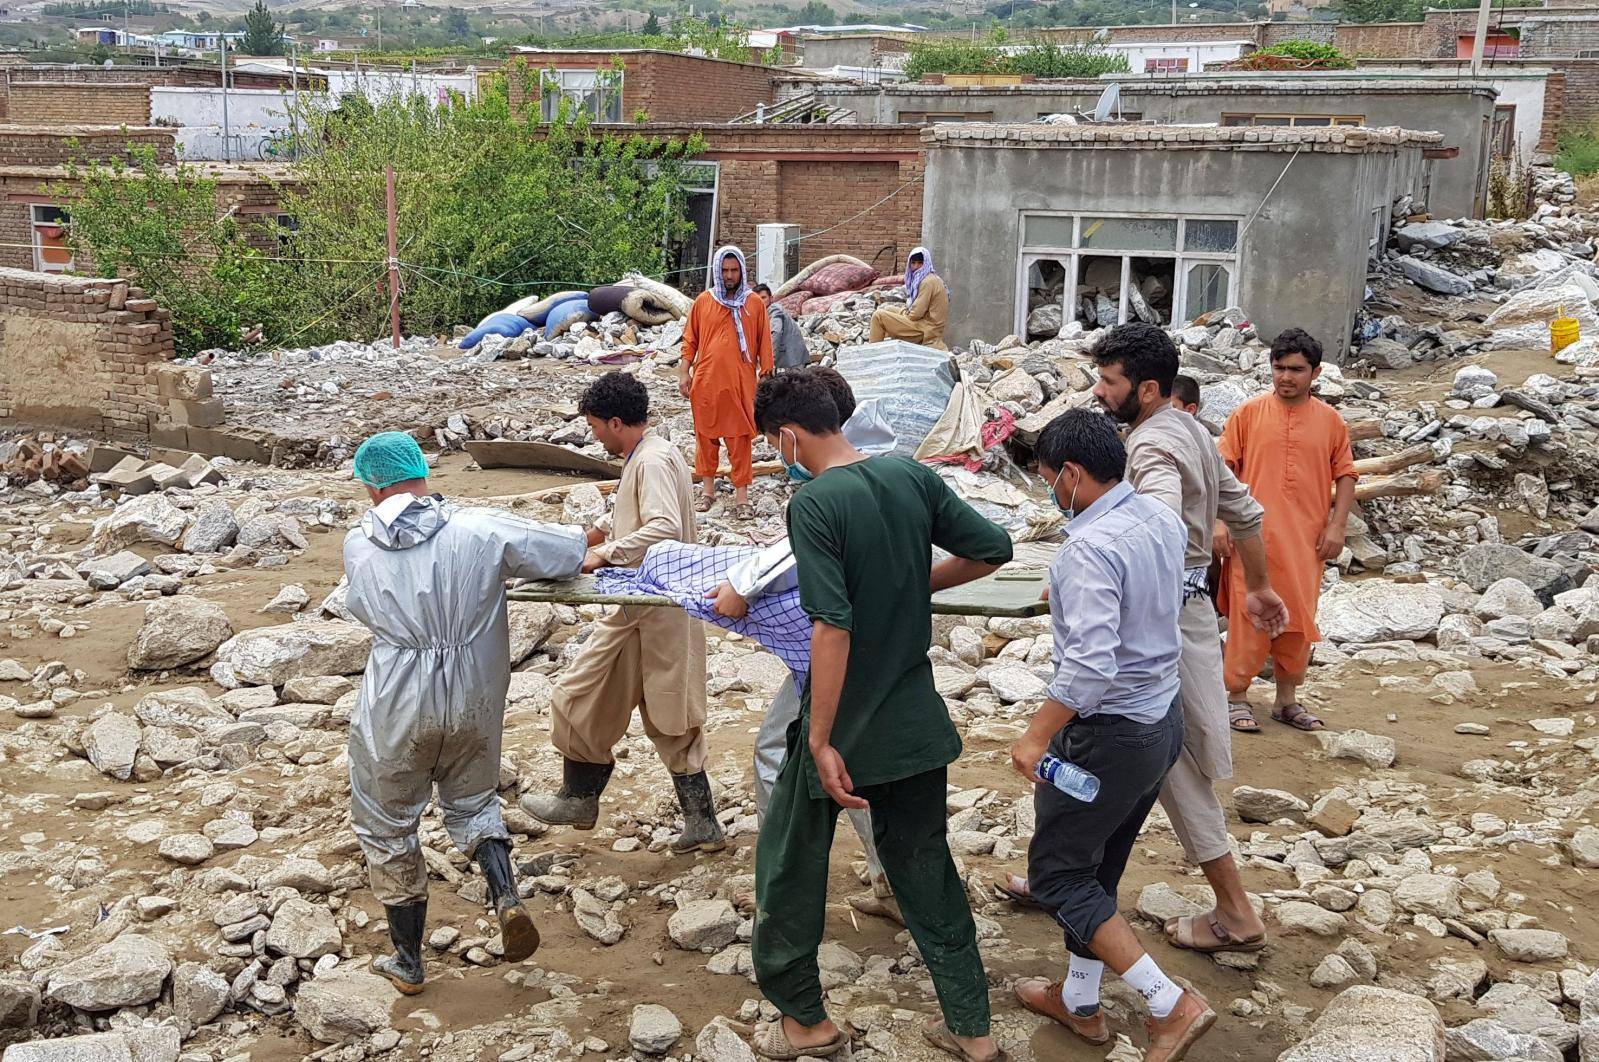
(880, 906)
(1181, 933)
(938, 1035)
(1241, 717)
(1295, 716)
(1014, 887)
(702, 504)
(772, 1042)
(746, 511)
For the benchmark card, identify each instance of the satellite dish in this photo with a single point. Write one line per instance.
(1109, 100)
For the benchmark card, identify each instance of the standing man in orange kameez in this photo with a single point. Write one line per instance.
(1293, 451)
(727, 347)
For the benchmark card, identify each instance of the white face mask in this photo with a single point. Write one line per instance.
(1070, 508)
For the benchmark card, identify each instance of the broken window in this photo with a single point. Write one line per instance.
(50, 251)
(1123, 268)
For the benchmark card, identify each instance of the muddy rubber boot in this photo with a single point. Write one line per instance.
(404, 967)
(519, 937)
(577, 802)
(701, 831)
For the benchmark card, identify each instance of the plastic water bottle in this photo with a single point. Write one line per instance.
(1068, 778)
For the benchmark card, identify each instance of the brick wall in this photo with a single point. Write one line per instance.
(667, 86)
(1554, 110)
(1580, 101)
(1188, 32)
(76, 353)
(1277, 32)
(63, 142)
(50, 105)
(1544, 38)
(1387, 40)
(861, 183)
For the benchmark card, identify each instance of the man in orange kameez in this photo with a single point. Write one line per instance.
(727, 347)
(1293, 451)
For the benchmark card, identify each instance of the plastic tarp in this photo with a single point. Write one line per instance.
(911, 383)
(567, 315)
(499, 323)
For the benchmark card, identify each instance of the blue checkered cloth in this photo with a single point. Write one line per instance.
(683, 572)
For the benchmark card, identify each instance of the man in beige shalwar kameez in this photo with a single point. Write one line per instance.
(925, 319)
(638, 656)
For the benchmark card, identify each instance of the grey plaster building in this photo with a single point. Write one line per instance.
(1114, 223)
(1463, 112)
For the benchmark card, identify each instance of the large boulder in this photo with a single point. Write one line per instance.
(271, 656)
(1508, 597)
(214, 529)
(704, 925)
(112, 743)
(153, 1043)
(1432, 277)
(1588, 1025)
(124, 973)
(1366, 1024)
(653, 1029)
(1427, 235)
(187, 708)
(303, 930)
(149, 518)
(342, 1004)
(1488, 562)
(1522, 321)
(177, 631)
(19, 1003)
(199, 993)
(1379, 612)
(531, 623)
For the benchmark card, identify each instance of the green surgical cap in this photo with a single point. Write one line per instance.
(388, 458)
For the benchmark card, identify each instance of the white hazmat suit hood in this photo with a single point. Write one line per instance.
(428, 578)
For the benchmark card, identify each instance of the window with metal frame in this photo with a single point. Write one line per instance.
(599, 92)
(1166, 65)
(51, 254)
(1294, 120)
(1104, 269)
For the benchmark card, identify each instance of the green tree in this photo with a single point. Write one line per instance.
(161, 229)
(456, 23)
(262, 36)
(651, 27)
(816, 13)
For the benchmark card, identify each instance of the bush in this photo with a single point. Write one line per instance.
(1311, 51)
(1047, 60)
(1578, 152)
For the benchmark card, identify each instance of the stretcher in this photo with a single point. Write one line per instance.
(1005, 593)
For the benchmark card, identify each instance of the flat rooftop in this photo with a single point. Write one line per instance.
(1335, 140)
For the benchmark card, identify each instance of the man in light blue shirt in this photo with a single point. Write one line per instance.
(1115, 590)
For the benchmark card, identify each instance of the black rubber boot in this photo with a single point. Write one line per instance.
(518, 935)
(701, 831)
(404, 967)
(577, 804)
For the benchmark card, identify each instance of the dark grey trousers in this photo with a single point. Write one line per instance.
(1079, 850)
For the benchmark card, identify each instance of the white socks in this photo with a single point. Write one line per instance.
(1080, 992)
(1158, 990)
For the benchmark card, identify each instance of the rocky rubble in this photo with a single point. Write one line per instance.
(177, 796)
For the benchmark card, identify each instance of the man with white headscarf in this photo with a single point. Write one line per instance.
(727, 347)
(928, 313)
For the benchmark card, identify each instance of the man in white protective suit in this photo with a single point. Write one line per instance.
(428, 578)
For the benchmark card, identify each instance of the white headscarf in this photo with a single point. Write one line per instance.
(733, 301)
(914, 277)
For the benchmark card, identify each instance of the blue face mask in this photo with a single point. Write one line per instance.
(1070, 508)
(796, 471)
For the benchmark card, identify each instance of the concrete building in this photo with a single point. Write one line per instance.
(1108, 224)
(1461, 111)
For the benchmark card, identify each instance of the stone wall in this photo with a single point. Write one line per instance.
(663, 85)
(77, 353)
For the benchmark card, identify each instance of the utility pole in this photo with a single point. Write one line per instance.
(394, 256)
(1480, 39)
(227, 148)
(294, 96)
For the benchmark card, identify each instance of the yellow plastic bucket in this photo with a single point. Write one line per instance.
(1563, 332)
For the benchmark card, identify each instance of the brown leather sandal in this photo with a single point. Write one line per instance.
(1181, 933)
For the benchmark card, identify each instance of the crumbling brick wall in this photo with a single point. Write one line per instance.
(1575, 35)
(1387, 40)
(1277, 32)
(165, 76)
(45, 104)
(1554, 110)
(61, 143)
(76, 353)
(1579, 104)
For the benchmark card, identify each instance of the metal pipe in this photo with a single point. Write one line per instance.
(227, 148)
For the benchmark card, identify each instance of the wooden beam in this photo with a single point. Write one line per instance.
(1406, 483)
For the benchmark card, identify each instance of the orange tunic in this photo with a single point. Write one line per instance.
(722, 395)
(1290, 457)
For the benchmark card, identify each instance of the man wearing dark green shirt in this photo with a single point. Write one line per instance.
(873, 731)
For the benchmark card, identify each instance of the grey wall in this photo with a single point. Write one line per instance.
(1302, 261)
(1462, 115)
(824, 53)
